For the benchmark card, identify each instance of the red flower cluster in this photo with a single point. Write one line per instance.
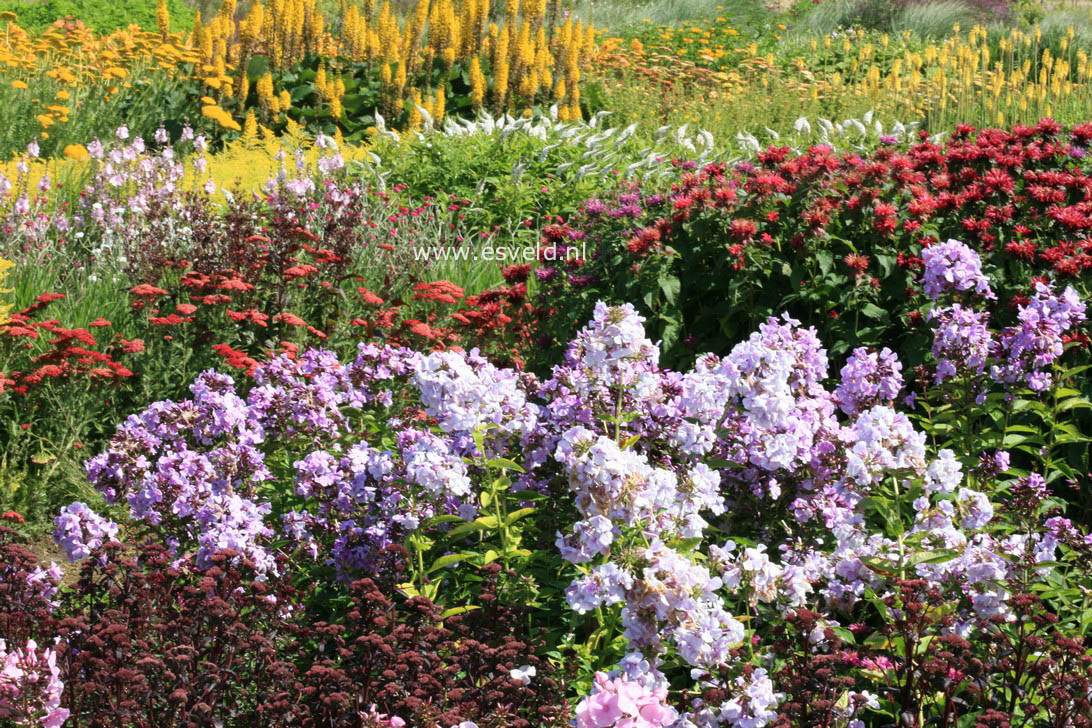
(66, 354)
(1022, 197)
(1025, 187)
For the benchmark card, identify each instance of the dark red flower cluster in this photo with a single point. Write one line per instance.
(144, 639)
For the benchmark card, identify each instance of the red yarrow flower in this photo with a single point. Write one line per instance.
(145, 289)
(290, 318)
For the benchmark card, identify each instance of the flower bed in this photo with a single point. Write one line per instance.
(748, 542)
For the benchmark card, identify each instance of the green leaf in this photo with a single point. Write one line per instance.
(630, 442)
(938, 556)
(457, 610)
(670, 287)
(872, 311)
(449, 559)
(490, 557)
(883, 567)
(446, 518)
(877, 641)
(486, 498)
(516, 515)
(1074, 403)
(504, 464)
(464, 529)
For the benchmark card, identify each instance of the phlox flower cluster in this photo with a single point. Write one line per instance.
(868, 378)
(777, 409)
(635, 459)
(610, 358)
(964, 346)
(1027, 350)
(765, 409)
(953, 267)
(465, 392)
(753, 705)
(961, 342)
(30, 686)
(620, 703)
(192, 469)
(195, 468)
(79, 530)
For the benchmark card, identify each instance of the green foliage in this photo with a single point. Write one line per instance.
(626, 17)
(933, 20)
(148, 98)
(102, 15)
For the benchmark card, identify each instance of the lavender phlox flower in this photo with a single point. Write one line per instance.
(961, 342)
(1027, 349)
(990, 465)
(431, 464)
(885, 441)
(604, 585)
(1029, 492)
(868, 378)
(952, 266)
(45, 583)
(79, 530)
(589, 538)
(236, 523)
(613, 351)
(975, 508)
(610, 481)
(463, 391)
(778, 406)
(303, 396)
(753, 704)
(944, 474)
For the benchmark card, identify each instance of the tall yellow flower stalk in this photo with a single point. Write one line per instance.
(514, 63)
(477, 83)
(500, 69)
(163, 19)
(5, 266)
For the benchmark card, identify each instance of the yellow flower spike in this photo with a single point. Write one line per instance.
(477, 83)
(18, 84)
(400, 78)
(163, 19)
(250, 128)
